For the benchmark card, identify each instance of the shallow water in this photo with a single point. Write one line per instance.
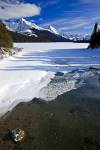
(71, 121)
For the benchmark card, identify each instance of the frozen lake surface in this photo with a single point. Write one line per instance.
(27, 74)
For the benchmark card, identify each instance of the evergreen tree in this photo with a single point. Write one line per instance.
(95, 37)
(5, 37)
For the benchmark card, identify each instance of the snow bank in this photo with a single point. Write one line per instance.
(51, 46)
(21, 88)
(6, 52)
(25, 75)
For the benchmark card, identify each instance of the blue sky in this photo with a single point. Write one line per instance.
(73, 16)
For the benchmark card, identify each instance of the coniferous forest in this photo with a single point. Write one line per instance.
(5, 37)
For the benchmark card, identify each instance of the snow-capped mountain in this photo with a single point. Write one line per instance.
(49, 34)
(28, 28)
(77, 37)
(8, 28)
(25, 26)
(53, 30)
(26, 31)
(87, 37)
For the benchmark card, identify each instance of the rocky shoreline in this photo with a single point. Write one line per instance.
(6, 52)
(71, 121)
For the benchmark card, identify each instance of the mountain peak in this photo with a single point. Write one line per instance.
(24, 24)
(52, 29)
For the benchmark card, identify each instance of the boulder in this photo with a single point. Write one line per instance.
(17, 135)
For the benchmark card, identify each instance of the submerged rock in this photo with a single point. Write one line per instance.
(17, 135)
(59, 74)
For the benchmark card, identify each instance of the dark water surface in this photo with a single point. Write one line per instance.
(70, 122)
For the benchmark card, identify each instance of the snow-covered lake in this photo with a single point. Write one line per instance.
(26, 74)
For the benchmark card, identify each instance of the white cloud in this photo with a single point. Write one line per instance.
(71, 25)
(68, 23)
(14, 9)
(82, 23)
